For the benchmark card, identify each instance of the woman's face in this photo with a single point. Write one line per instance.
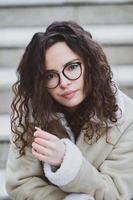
(69, 93)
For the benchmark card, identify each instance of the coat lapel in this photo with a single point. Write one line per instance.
(98, 151)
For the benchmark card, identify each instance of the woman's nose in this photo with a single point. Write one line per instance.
(64, 81)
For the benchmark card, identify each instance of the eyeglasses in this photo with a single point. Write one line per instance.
(72, 71)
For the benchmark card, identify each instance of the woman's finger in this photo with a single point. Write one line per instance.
(44, 134)
(39, 156)
(40, 149)
(45, 143)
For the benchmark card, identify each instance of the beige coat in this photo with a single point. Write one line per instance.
(104, 171)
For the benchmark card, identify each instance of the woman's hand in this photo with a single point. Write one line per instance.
(48, 148)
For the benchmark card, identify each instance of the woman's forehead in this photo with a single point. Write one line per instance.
(58, 55)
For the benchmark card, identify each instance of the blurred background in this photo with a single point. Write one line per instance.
(109, 21)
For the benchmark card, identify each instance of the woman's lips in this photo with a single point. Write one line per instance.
(69, 95)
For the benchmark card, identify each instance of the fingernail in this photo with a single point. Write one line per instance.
(37, 128)
(35, 133)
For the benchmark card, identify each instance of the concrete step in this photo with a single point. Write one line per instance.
(56, 2)
(5, 134)
(123, 75)
(5, 130)
(105, 34)
(6, 99)
(36, 13)
(119, 54)
(7, 78)
(13, 55)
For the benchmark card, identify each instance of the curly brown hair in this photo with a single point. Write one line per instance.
(32, 105)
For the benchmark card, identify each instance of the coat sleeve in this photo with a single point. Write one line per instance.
(25, 178)
(113, 180)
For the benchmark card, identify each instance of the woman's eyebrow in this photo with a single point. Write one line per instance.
(66, 64)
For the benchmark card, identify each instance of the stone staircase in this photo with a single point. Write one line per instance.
(109, 21)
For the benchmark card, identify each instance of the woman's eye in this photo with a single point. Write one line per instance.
(73, 66)
(50, 76)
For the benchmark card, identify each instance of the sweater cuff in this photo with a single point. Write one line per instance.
(69, 168)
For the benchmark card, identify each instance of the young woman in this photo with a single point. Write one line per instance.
(72, 127)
